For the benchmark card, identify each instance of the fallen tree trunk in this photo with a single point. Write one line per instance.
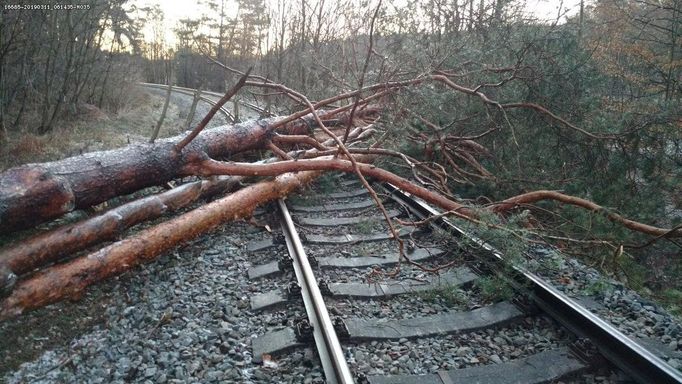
(49, 247)
(208, 167)
(57, 244)
(69, 280)
(35, 193)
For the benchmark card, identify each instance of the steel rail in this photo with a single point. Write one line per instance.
(246, 103)
(190, 91)
(327, 342)
(622, 351)
(186, 90)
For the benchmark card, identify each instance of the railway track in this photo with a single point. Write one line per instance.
(229, 308)
(211, 98)
(418, 327)
(578, 340)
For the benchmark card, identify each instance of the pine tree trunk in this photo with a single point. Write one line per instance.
(70, 279)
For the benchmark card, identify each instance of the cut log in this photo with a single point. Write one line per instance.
(49, 247)
(70, 279)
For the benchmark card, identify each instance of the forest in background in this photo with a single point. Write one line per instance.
(611, 74)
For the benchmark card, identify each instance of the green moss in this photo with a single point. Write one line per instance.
(449, 295)
(327, 183)
(672, 300)
(494, 289)
(599, 287)
(364, 227)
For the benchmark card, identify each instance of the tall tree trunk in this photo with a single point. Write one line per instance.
(280, 51)
(3, 104)
(193, 108)
(155, 134)
(671, 81)
(67, 73)
(470, 24)
(302, 46)
(581, 20)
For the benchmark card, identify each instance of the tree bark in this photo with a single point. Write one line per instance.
(70, 279)
(62, 242)
(35, 193)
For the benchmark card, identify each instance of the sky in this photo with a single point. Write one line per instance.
(548, 9)
(180, 9)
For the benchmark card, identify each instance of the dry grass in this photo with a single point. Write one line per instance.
(91, 129)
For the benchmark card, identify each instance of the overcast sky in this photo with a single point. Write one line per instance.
(179, 9)
(548, 9)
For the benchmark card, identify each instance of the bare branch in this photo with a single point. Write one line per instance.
(361, 80)
(535, 196)
(278, 151)
(228, 95)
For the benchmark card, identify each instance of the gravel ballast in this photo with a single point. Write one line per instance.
(186, 318)
(183, 318)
